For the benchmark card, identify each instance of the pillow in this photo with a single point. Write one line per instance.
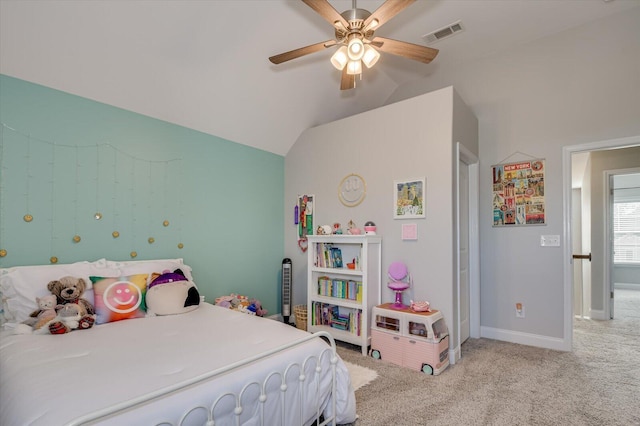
(170, 294)
(119, 298)
(132, 267)
(20, 285)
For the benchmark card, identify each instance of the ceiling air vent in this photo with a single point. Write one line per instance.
(444, 32)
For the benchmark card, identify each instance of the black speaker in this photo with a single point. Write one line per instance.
(287, 289)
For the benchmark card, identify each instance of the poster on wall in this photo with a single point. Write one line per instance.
(518, 193)
(303, 219)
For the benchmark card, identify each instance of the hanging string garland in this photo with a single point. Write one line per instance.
(76, 237)
(52, 201)
(3, 252)
(28, 217)
(150, 210)
(133, 203)
(32, 158)
(114, 210)
(97, 215)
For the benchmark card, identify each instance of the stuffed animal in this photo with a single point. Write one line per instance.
(45, 312)
(71, 316)
(257, 305)
(171, 293)
(69, 290)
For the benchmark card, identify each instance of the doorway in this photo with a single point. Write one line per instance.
(598, 307)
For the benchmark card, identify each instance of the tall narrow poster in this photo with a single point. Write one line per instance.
(518, 193)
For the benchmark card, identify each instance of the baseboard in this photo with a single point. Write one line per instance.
(529, 339)
(597, 314)
(626, 286)
(276, 317)
(454, 355)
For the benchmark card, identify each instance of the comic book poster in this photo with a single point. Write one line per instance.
(518, 193)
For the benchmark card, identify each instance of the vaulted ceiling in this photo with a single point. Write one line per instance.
(203, 64)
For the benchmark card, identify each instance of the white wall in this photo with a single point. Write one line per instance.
(406, 140)
(579, 86)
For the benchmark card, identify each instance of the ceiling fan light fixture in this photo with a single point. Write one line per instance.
(340, 58)
(354, 67)
(355, 49)
(371, 56)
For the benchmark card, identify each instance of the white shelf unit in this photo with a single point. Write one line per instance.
(368, 252)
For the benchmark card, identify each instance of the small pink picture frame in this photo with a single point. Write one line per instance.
(410, 231)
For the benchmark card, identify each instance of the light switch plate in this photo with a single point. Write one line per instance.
(550, 240)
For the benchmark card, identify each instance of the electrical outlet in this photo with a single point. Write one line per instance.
(519, 310)
(550, 240)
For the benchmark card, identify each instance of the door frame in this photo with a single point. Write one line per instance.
(567, 151)
(608, 236)
(471, 160)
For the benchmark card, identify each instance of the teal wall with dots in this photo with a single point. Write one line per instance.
(64, 158)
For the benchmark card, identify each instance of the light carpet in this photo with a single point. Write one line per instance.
(360, 376)
(498, 383)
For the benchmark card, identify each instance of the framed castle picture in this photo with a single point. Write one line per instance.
(409, 198)
(518, 193)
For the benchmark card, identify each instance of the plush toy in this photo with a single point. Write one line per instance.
(171, 293)
(258, 307)
(45, 312)
(69, 291)
(71, 316)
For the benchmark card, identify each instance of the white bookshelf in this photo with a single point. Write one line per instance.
(338, 291)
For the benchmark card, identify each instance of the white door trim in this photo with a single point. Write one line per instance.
(567, 151)
(469, 158)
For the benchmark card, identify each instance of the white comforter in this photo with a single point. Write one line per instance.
(53, 379)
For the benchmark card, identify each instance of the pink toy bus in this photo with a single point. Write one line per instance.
(417, 340)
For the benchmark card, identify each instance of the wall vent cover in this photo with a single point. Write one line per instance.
(444, 32)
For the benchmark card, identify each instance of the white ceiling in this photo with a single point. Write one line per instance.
(203, 64)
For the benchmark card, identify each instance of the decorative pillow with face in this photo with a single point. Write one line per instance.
(171, 293)
(119, 298)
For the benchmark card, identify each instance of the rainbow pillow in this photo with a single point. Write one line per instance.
(119, 298)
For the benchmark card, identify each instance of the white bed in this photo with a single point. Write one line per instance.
(183, 362)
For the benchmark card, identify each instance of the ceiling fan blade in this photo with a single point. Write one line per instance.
(386, 11)
(328, 12)
(296, 53)
(348, 80)
(408, 50)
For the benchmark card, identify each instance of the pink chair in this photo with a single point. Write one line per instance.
(400, 281)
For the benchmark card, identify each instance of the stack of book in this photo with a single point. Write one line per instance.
(343, 289)
(328, 256)
(341, 318)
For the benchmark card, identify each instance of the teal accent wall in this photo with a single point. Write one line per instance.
(63, 158)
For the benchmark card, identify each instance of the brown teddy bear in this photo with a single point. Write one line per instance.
(69, 290)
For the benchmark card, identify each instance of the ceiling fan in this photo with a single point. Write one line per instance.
(354, 30)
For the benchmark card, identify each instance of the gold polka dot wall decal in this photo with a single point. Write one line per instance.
(98, 216)
(76, 238)
(115, 234)
(28, 218)
(133, 254)
(165, 223)
(180, 245)
(151, 240)
(3, 253)
(53, 259)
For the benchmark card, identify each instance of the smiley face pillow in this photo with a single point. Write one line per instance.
(119, 298)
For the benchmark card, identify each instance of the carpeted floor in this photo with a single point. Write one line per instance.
(499, 383)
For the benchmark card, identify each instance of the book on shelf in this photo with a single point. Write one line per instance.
(338, 317)
(341, 289)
